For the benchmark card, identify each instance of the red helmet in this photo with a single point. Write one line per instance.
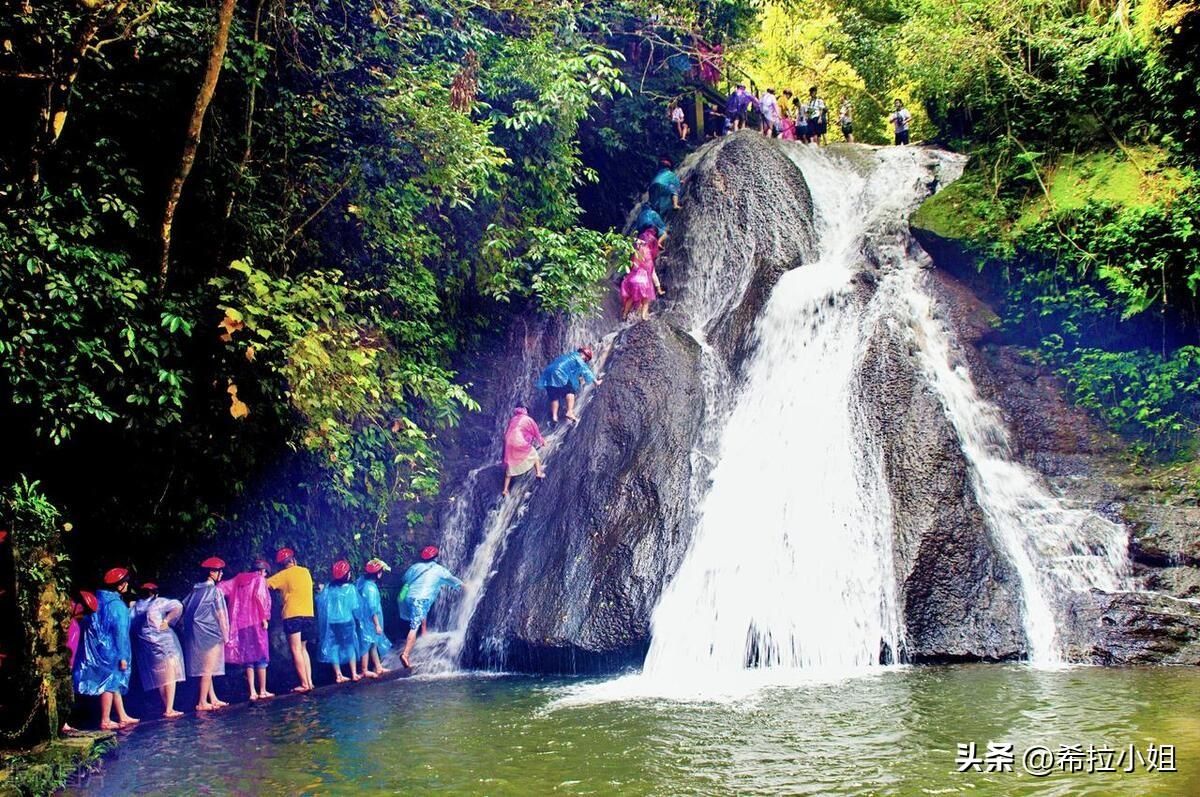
(115, 576)
(429, 552)
(376, 566)
(149, 586)
(586, 351)
(283, 554)
(89, 600)
(261, 564)
(213, 563)
(340, 569)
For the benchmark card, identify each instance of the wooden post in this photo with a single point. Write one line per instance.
(699, 116)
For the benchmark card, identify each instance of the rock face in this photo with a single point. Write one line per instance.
(586, 563)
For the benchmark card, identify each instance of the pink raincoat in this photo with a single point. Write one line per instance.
(638, 285)
(249, 604)
(519, 439)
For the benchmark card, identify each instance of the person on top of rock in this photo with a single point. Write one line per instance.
(802, 129)
(736, 109)
(205, 632)
(248, 601)
(679, 120)
(901, 118)
(295, 584)
(663, 193)
(370, 618)
(641, 285)
(769, 108)
(562, 379)
(522, 439)
(649, 219)
(157, 652)
(337, 607)
(818, 117)
(846, 120)
(423, 582)
(787, 123)
(103, 661)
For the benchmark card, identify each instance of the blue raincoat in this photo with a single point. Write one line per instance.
(649, 218)
(159, 656)
(369, 607)
(663, 189)
(205, 630)
(337, 610)
(424, 581)
(564, 370)
(103, 645)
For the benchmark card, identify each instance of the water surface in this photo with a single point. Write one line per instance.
(894, 733)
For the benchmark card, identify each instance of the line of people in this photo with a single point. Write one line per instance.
(225, 622)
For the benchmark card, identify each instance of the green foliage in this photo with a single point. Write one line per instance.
(33, 523)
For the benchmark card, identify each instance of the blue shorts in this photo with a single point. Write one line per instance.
(258, 665)
(418, 610)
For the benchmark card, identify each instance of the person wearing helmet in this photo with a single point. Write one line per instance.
(641, 285)
(563, 377)
(423, 582)
(649, 219)
(295, 585)
(337, 606)
(522, 439)
(248, 602)
(102, 664)
(205, 631)
(663, 193)
(370, 618)
(157, 652)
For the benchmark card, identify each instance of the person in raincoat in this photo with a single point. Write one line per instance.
(80, 610)
(206, 630)
(295, 585)
(640, 286)
(370, 618)
(248, 603)
(104, 657)
(522, 439)
(423, 582)
(563, 377)
(337, 607)
(649, 219)
(157, 653)
(663, 193)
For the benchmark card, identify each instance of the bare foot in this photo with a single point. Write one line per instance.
(219, 704)
(253, 696)
(301, 688)
(356, 677)
(109, 725)
(340, 679)
(127, 720)
(382, 670)
(205, 707)
(573, 418)
(265, 695)
(541, 475)
(404, 660)
(369, 674)
(172, 714)
(504, 493)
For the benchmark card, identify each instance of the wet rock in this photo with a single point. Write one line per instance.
(957, 595)
(1134, 628)
(601, 535)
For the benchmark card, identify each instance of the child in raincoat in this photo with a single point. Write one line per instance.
(370, 618)
(337, 607)
(423, 583)
(248, 602)
(104, 657)
(157, 652)
(522, 439)
(641, 285)
(206, 630)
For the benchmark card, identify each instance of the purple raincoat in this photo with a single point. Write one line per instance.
(249, 605)
(520, 438)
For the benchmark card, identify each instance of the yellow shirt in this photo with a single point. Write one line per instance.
(296, 586)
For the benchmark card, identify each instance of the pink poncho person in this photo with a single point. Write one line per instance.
(249, 604)
(519, 441)
(638, 285)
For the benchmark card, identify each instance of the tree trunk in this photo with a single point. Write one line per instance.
(191, 142)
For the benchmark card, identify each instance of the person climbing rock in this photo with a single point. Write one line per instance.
(205, 632)
(901, 118)
(157, 653)
(663, 193)
(295, 585)
(787, 123)
(649, 219)
(846, 120)
(818, 117)
(337, 606)
(640, 286)
(370, 619)
(104, 658)
(248, 603)
(769, 108)
(737, 108)
(563, 378)
(522, 439)
(680, 121)
(423, 582)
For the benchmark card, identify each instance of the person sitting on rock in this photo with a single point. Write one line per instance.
(522, 439)
(157, 652)
(563, 377)
(423, 582)
(104, 658)
(663, 193)
(649, 219)
(206, 630)
(641, 285)
(337, 606)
